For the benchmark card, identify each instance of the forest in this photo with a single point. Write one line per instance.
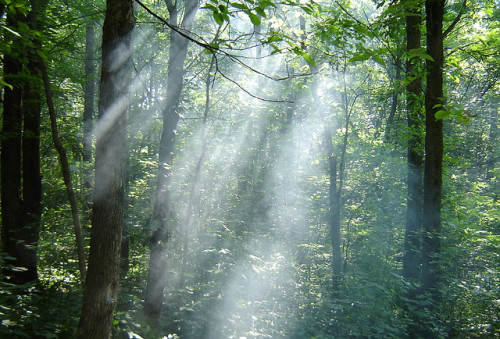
(250, 169)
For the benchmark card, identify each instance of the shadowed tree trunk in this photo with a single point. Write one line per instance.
(434, 10)
(20, 173)
(159, 221)
(101, 288)
(414, 103)
(414, 108)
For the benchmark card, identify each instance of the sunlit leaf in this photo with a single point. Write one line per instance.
(360, 57)
(218, 18)
(442, 114)
(378, 60)
(254, 18)
(239, 5)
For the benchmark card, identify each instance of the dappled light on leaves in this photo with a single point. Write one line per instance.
(256, 169)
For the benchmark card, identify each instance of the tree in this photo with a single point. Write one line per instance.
(101, 288)
(20, 174)
(88, 109)
(433, 171)
(411, 258)
(159, 220)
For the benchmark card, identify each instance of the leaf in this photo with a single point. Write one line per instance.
(11, 31)
(308, 59)
(378, 60)
(274, 38)
(239, 5)
(442, 114)
(275, 50)
(223, 9)
(260, 11)
(218, 18)
(361, 57)
(254, 18)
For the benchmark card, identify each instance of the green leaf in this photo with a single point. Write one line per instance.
(254, 18)
(274, 38)
(360, 57)
(210, 7)
(276, 49)
(223, 9)
(218, 18)
(308, 59)
(260, 11)
(239, 5)
(441, 114)
(378, 60)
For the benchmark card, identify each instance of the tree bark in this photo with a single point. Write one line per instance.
(159, 222)
(20, 173)
(110, 173)
(88, 111)
(434, 10)
(411, 257)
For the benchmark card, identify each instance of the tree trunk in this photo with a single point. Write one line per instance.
(433, 148)
(159, 223)
(63, 159)
(394, 100)
(110, 172)
(20, 173)
(411, 257)
(333, 218)
(88, 111)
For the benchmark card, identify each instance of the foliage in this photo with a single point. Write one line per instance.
(259, 255)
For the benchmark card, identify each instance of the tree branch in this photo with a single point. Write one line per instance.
(457, 19)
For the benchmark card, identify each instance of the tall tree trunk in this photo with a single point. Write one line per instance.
(336, 184)
(411, 257)
(110, 172)
(394, 100)
(20, 173)
(63, 159)
(333, 218)
(197, 171)
(88, 111)
(434, 10)
(159, 222)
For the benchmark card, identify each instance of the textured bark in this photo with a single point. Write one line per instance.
(411, 257)
(159, 222)
(20, 173)
(433, 147)
(110, 172)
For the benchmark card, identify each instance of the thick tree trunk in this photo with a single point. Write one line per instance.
(414, 103)
(159, 222)
(20, 173)
(433, 147)
(110, 172)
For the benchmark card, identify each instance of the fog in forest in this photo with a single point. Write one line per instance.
(265, 170)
